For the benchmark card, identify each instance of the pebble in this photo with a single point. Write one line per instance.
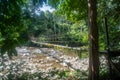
(64, 64)
(1, 68)
(27, 65)
(36, 51)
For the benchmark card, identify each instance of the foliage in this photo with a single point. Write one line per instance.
(51, 27)
(78, 32)
(54, 3)
(41, 24)
(74, 10)
(109, 9)
(14, 20)
(77, 10)
(12, 25)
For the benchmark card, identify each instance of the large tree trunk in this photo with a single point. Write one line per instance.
(93, 37)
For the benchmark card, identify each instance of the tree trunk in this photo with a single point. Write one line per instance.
(93, 37)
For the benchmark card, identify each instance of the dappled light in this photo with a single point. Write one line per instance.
(59, 40)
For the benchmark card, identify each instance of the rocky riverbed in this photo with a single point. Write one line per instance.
(47, 58)
(32, 60)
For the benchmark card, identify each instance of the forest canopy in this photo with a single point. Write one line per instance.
(18, 19)
(110, 9)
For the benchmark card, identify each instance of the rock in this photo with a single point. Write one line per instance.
(22, 50)
(1, 68)
(1, 74)
(64, 64)
(26, 54)
(62, 57)
(48, 58)
(36, 51)
(30, 64)
(56, 61)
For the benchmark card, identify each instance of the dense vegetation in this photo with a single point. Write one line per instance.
(28, 21)
(22, 21)
(58, 30)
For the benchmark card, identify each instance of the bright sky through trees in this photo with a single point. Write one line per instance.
(46, 8)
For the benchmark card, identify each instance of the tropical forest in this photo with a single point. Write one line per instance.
(59, 39)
